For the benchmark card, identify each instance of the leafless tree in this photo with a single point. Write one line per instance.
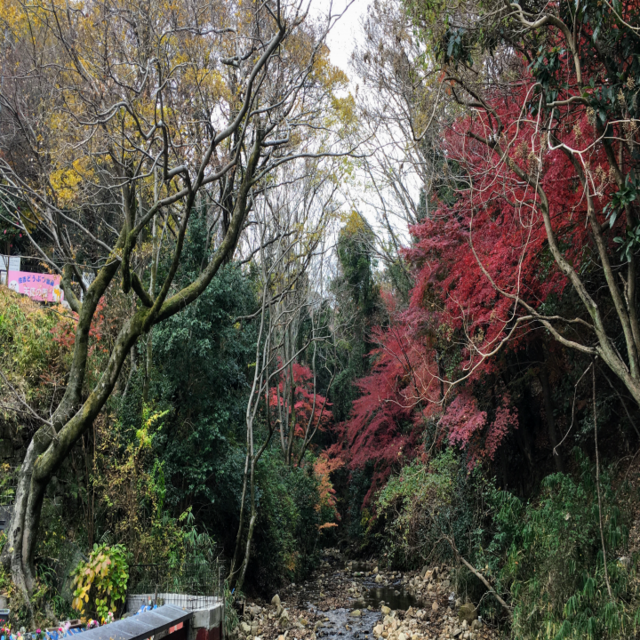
(291, 224)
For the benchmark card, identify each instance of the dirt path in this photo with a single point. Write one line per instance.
(356, 601)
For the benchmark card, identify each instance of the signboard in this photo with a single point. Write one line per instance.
(38, 286)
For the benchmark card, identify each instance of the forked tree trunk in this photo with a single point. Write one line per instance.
(53, 441)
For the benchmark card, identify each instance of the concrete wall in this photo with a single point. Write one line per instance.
(208, 624)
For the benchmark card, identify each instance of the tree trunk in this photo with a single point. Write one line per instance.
(236, 554)
(47, 451)
(551, 424)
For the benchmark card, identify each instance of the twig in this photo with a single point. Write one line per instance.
(595, 426)
(573, 410)
(480, 577)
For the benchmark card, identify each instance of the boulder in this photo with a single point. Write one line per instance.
(245, 628)
(356, 613)
(275, 601)
(379, 579)
(385, 610)
(467, 612)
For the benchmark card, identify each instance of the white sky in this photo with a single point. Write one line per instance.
(347, 30)
(346, 33)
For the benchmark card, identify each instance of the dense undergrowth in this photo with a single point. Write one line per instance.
(544, 556)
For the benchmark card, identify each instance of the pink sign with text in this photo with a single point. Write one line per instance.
(39, 286)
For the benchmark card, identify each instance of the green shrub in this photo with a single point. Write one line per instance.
(424, 506)
(549, 555)
(286, 538)
(101, 582)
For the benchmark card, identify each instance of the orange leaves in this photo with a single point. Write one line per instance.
(323, 467)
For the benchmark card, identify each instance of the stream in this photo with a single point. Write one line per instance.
(358, 601)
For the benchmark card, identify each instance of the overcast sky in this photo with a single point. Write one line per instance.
(344, 34)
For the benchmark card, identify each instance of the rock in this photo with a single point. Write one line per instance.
(281, 638)
(476, 624)
(279, 610)
(304, 622)
(435, 606)
(467, 612)
(458, 602)
(375, 570)
(456, 633)
(446, 584)
(402, 636)
(316, 626)
(255, 611)
(379, 579)
(245, 628)
(465, 625)
(377, 630)
(275, 601)
(385, 610)
(284, 618)
(356, 613)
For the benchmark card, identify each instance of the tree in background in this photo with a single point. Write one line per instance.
(357, 303)
(284, 401)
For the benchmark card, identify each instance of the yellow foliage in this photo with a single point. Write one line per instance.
(66, 182)
(354, 224)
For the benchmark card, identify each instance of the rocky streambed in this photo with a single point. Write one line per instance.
(359, 601)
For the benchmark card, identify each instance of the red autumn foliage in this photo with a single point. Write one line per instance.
(470, 259)
(466, 425)
(312, 410)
